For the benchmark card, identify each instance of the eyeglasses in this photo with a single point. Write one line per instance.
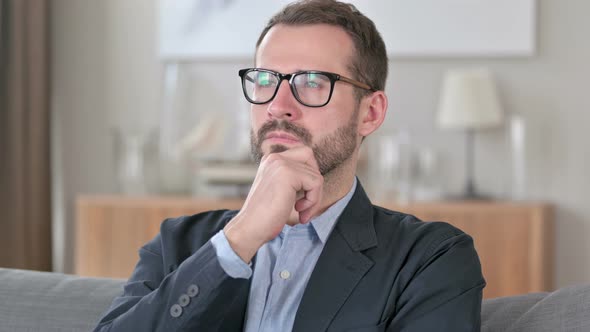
(311, 88)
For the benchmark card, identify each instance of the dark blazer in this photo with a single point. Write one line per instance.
(380, 270)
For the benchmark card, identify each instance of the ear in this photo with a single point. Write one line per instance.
(372, 114)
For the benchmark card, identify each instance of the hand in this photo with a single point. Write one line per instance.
(285, 181)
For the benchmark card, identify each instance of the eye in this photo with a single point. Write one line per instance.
(312, 84)
(314, 81)
(265, 80)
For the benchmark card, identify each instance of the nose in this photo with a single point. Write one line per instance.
(284, 105)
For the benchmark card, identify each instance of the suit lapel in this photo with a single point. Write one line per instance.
(340, 266)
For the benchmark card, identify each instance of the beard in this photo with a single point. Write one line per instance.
(330, 152)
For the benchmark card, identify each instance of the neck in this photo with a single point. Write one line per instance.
(336, 185)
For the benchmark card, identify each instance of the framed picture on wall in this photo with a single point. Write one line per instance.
(218, 29)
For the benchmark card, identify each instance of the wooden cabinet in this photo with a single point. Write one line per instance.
(514, 240)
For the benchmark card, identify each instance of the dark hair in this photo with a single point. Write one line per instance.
(369, 63)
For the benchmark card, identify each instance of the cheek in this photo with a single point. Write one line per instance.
(322, 127)
(256, 117)
(343, 111)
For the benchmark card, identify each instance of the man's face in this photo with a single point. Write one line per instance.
(331, 130)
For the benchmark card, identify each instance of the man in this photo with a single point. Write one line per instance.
(307, 251)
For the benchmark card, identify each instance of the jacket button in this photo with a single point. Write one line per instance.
(184, 300)
(193, 290)
(176, 311)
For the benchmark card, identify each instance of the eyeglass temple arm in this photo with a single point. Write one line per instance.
(357, 83)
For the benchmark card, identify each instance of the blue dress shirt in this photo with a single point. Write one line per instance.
(283, 267)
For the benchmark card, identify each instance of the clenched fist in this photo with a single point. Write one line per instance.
(287, 184)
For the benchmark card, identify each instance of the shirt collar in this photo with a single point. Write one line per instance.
(324, 223)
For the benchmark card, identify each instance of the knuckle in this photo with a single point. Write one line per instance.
(272, 158)
(280, 166)
(320, 179)
(280, 163)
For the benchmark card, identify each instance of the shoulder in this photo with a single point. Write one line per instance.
(434, 270)
(413, 236)
(411, 225)
(414, 247)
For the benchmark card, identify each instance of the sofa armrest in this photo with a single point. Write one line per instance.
(566, 309)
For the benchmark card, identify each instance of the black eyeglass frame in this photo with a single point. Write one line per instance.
(290, 77)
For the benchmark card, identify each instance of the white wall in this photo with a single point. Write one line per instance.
(551, 91)
(106, 73)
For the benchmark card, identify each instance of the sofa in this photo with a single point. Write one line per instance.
(46, 301)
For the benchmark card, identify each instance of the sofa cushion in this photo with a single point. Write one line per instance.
(566, 309)
(44, 301)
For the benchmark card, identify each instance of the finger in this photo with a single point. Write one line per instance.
(305, 216)
(298, 169)
(300, 176)
(303, 204)
(302, 154)
(299, 195)
(309, 199)
(310, 203)
(307, 213)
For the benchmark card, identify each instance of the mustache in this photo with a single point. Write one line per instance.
(286, 126)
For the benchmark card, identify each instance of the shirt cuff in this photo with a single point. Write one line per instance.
(231, 263)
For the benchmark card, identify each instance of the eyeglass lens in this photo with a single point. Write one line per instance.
(311, 89)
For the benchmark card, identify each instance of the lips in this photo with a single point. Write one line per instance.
(281, 137)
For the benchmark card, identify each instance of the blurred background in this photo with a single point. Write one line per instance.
(105, 103)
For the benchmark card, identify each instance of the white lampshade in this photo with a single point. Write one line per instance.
(469, 100)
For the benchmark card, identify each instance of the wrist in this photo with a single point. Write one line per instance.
(240, 240)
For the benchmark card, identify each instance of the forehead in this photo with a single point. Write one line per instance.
(288, 48)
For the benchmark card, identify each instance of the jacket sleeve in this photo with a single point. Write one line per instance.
(196, 295)
(445, 292)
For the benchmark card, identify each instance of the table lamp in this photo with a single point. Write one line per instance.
(469, 102)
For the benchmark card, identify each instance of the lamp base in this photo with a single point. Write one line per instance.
(470, 193)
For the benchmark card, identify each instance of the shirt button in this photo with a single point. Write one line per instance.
(175, 311)
(193, 290)
(285, 274)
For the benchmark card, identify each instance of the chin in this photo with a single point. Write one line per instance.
(278, 148)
